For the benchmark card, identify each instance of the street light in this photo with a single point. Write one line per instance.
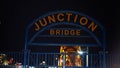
(80, 52)
(84, 52)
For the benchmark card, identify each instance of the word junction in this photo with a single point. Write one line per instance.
(65, 17)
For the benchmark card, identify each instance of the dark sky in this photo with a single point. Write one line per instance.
(15, 15)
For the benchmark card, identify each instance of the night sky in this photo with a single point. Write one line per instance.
(15, 15)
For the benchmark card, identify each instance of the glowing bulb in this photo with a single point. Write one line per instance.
(80, 52)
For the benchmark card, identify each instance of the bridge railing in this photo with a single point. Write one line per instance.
(51, 60)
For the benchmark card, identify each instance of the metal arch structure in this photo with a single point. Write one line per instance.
(30, 39)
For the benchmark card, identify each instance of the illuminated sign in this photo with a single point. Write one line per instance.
(65, 27)
(63, 18)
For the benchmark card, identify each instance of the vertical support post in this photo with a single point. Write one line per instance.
(45, 60)
(25, 54)
(37, 60)
(64, 60)
(25, 49)
(104, 58)
(28, 57)
(54, 60)
(104, 46)
(87, 61)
